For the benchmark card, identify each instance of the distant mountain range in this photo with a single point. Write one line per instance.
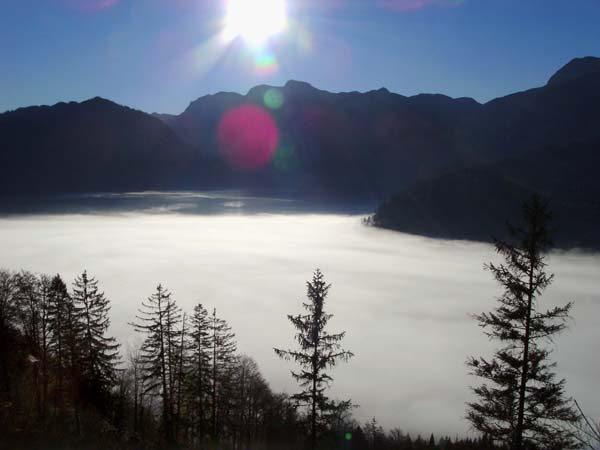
(430, 159)
(545, 141)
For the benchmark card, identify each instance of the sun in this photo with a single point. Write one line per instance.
(255, 20)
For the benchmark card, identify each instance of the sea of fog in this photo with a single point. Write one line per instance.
(403, 300)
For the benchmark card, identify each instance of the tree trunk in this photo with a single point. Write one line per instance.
(525, 365)
(165, 387)
(214, 386)
(200, 430)
(313, 417)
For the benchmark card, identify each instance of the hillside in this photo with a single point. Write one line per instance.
(88, 146)
(475, 203)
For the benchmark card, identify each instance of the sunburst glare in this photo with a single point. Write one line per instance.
(255, 21)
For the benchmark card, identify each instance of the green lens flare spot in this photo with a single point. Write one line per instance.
(348, 436)
(273, 98)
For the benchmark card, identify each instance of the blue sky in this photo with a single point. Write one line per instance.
(158, 55)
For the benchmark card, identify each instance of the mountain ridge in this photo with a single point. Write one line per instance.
(368, 146)
(587, 64)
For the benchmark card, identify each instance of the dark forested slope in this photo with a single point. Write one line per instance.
(474, 203)
(88, 146)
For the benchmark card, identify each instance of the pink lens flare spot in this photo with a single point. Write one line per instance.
(247, 137)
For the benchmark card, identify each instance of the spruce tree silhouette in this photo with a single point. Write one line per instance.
(199, 377)
(158, 319)
(520, 403)
(99, 352)
(318, 351)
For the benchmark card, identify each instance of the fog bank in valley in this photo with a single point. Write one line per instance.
(403, 300)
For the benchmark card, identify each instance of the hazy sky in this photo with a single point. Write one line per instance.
(158, 55)
(403, 300)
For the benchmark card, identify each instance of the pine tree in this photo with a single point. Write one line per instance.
(158, 319)
(520, 403)
(59, 300)
(319, 351)
(182, 360)
(200, 369)
(99, 352)
(73, 333)
(431, 441)
(223, 359)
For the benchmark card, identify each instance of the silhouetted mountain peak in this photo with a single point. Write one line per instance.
(212, 100)
(97, 99)
(257, 92)
(576, 68)
(467, 101)
(101, 101)
(296, 85)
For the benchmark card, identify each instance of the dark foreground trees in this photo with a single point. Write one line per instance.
(318, 351)
(199, 376)
(62, 384)
(158, 320)
(192, 387)
(56, 357)
(521, 404)
(99, 351)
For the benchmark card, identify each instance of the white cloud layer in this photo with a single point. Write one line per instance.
(404, 301)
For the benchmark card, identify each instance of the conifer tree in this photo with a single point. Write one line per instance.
(58, 322)
(318, 351)
(199, 378)
(99, 352)
(158, 320)
(73, 333)
(223, 358)
(182, 360)
(521, 403)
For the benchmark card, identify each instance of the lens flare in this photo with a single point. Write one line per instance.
(273, 98)
(265, 64)
(247, 137)
(304, 39)
(255, 21)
